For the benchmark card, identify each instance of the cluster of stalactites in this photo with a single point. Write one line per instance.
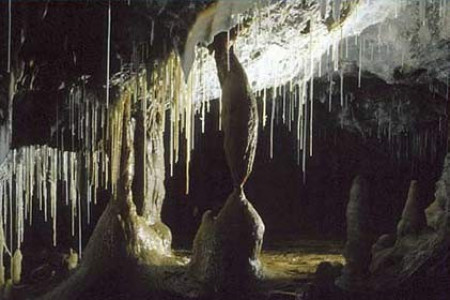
(29, 185)
(169, 87)
(39, 179)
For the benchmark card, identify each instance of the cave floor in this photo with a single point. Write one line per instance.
(290, 264)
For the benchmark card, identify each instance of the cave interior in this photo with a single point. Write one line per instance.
(215, 149)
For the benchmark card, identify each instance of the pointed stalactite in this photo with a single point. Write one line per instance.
(272, 121)
(8, 68)
(360, 60)
(108, 54)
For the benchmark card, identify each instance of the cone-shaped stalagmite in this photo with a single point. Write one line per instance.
(226, 247)
(357, 250)
(413, 217)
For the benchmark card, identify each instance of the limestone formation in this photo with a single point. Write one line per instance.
(416, 247)
(360, 238)
(125, 236)
(239, 114)
(413, 218)
(437, 212)
(16, 267)
(71, 260)
(227, 247)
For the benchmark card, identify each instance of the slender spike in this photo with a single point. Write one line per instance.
(264, 118)
(361, 45)
(272, 119)
(108, 54)
(8, 70)
(228, 50)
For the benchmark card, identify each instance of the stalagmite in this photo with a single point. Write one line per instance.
(2, 237)
(360, 238)
(71, 260)
(226, 248)
(16, 267)
(413, 217)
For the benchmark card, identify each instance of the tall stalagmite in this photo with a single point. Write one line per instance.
(227, 247)
(413, 217)
(360, 237)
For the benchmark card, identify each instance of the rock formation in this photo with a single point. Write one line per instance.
(227, 246)
(360, 238)
(413, 218)
(126, 237)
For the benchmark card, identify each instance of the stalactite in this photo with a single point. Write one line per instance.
(361, 45)
(152, 34)
(272, 120)
(448, 90)
(299, 123)
(188, 145)
(330, 92)
(422, 12)
(220, 113)
(311, 95)
(228, 51)
(8, 68)
(108, 54)
(171, 138)
(53, 194)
